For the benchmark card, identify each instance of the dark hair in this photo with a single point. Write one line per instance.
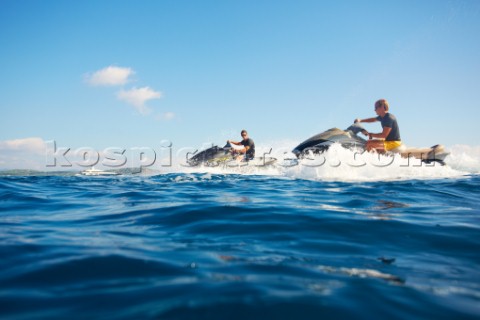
(243, 131)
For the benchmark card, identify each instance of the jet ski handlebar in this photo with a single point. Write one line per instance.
(355, 128)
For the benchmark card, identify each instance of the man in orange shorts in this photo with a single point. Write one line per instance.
(389, 139)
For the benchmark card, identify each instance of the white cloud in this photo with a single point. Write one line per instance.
(110, 76)
(138, 97)
(28, 145)
(28, 153)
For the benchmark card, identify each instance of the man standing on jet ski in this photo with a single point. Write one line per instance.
(389, 139)
(248, 146)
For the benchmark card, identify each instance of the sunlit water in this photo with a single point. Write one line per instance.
(302, 242)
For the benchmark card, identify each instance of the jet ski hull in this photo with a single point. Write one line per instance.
(349, 139)
(211, 157)
(216, 156)
(436, 153)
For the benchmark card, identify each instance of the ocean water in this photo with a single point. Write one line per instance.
(303, 242)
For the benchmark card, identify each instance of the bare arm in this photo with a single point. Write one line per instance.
(366, 120)
(383, 135)
(234, 142)
(243, 150)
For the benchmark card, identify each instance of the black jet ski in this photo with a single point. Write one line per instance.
(225, 156)
(349, 139)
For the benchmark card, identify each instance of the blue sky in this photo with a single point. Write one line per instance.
(200, 71)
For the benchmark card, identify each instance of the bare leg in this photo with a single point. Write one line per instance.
(376, 145)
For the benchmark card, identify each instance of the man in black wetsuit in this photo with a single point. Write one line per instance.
(248, 146)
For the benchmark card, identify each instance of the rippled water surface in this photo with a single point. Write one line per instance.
(228, 246)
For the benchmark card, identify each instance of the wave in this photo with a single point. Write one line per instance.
(340, 164)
